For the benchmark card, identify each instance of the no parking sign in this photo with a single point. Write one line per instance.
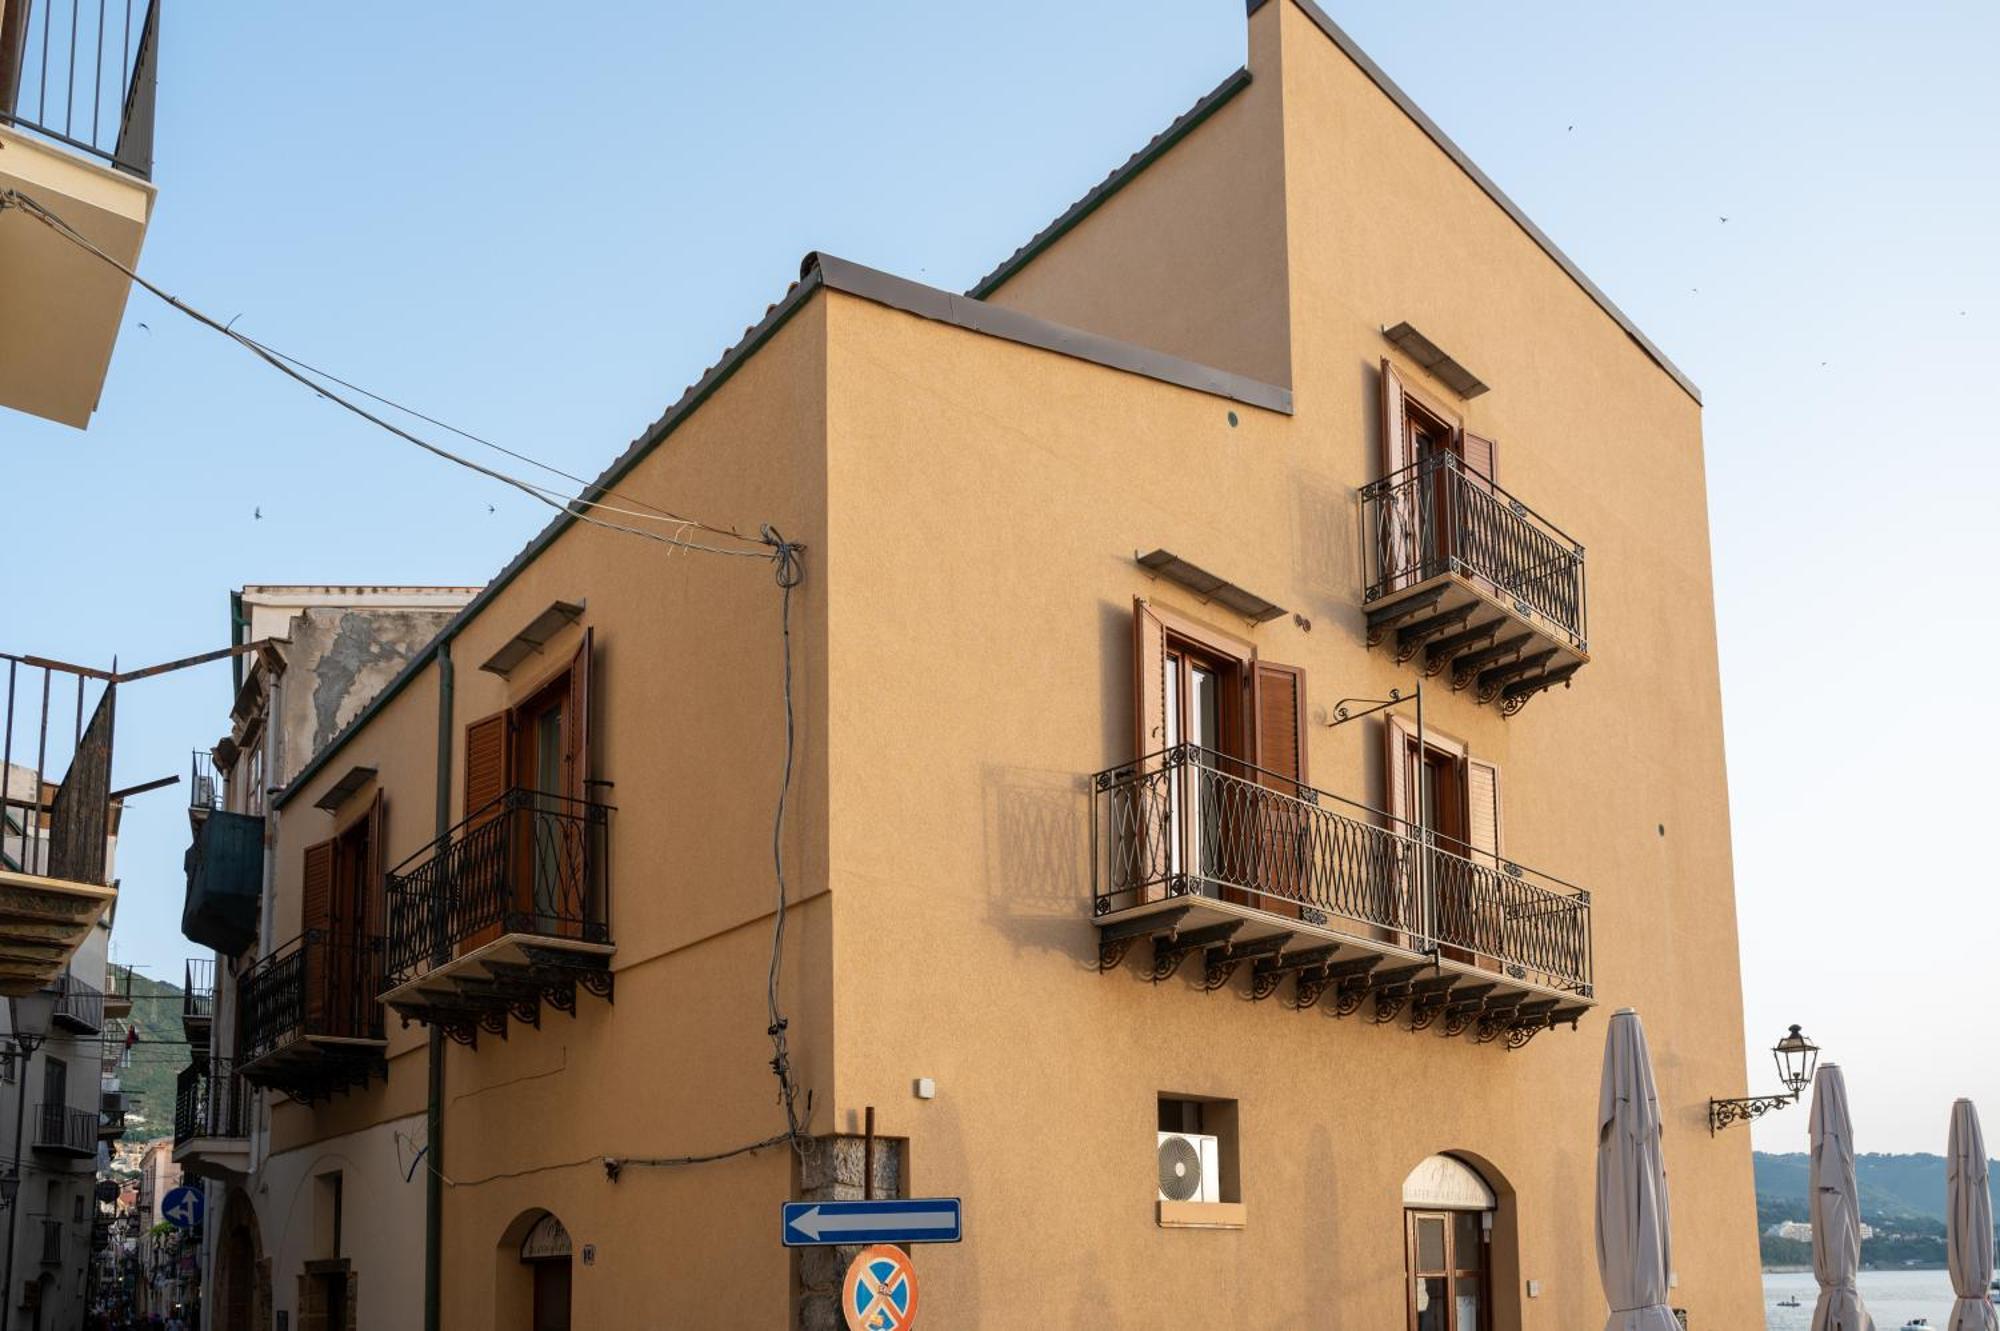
(880, 1293)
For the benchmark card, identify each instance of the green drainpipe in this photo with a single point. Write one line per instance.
(434, 1120)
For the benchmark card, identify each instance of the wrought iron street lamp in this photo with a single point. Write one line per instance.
(1796, 1057)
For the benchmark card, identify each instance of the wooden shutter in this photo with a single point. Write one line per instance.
(1395, 437)
(1149, 680)
(316, 894)
(1482, 786)
(1278, 731)
(576, 724)
(374, 868)
(1398, 784)
(1481, 455)
(487, 761)
(1278, 703)
(1399, 801)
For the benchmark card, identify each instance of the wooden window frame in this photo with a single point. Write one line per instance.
(1452, 1272)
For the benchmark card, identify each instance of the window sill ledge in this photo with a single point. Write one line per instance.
(1202, 1215)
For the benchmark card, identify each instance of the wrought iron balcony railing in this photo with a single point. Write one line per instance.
(1434, 517)
(527, 863)
(79, 1004)
(64, 1130)
(204, 784)
(83, 73)
(315, 985)
(210, 1100)
(1189, 822)
(198, 990)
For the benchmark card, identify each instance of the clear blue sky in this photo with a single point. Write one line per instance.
(542, 226)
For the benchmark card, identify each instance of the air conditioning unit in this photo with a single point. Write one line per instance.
(1188, 1168)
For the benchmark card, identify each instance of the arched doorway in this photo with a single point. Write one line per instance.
(242, 1279)
(533, 1289)
(1448, 1211)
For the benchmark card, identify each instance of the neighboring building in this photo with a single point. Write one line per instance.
(1059, 816)
(76, 140)
(1800, 1231)
(321, 654)
(167, 1280)
(60, 1089)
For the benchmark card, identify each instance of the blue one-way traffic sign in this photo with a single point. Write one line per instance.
(898, 1220)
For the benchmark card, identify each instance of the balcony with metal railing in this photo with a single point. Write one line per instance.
(1472, 581)
(79, 1005)
(224, 865)
(505, 912)
(198, 1002)
(77, 83)
(60, 1130)
(311, 1021)
(212, 1120)
(1210, 858)
(112, 1107)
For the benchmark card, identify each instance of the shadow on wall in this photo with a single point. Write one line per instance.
(1036, 822)
(1036, 826)
(1326, 524)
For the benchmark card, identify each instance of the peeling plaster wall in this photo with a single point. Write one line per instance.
(344, 657)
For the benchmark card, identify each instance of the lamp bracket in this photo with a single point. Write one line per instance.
(1721, 1113)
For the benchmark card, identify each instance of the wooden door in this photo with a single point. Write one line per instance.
(1447, 1287)
(552, 1281)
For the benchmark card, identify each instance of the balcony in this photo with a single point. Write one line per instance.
(53, 844)
(79, 1005)
(111, 1115)
(118, 997)
(311, 1022)
(198, 1002)
(1209, 858)
(225, 879)
(503, 913)
(1474, 582)
(76, 139)
(212, 1120)
(60, 1130)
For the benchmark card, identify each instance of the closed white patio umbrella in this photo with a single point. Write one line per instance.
(1634, 1248)
(1969, 1224)
(1836, 1212)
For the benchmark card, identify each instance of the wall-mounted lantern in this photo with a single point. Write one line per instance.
(1796, 1057)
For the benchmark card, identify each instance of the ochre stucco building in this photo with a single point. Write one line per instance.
(1092, 834)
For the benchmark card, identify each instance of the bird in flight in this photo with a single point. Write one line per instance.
(258, 513)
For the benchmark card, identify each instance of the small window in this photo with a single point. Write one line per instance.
(1197, 1146)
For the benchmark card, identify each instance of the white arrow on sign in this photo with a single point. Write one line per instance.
(812, 1224)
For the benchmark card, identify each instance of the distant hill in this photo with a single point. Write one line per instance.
(1902, 1200)
(1892, 1187)
(155, 1060)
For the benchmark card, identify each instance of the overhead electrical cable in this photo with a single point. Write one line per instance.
(575, 508)
(768, 545)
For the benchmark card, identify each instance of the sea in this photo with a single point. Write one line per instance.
(1892, 1298)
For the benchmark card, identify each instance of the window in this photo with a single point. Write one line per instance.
(1198, 1182)
(253, 792)
(1229, 795)
(1436, 785)
(1440, 477)
(340, 909)
(530, 765)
